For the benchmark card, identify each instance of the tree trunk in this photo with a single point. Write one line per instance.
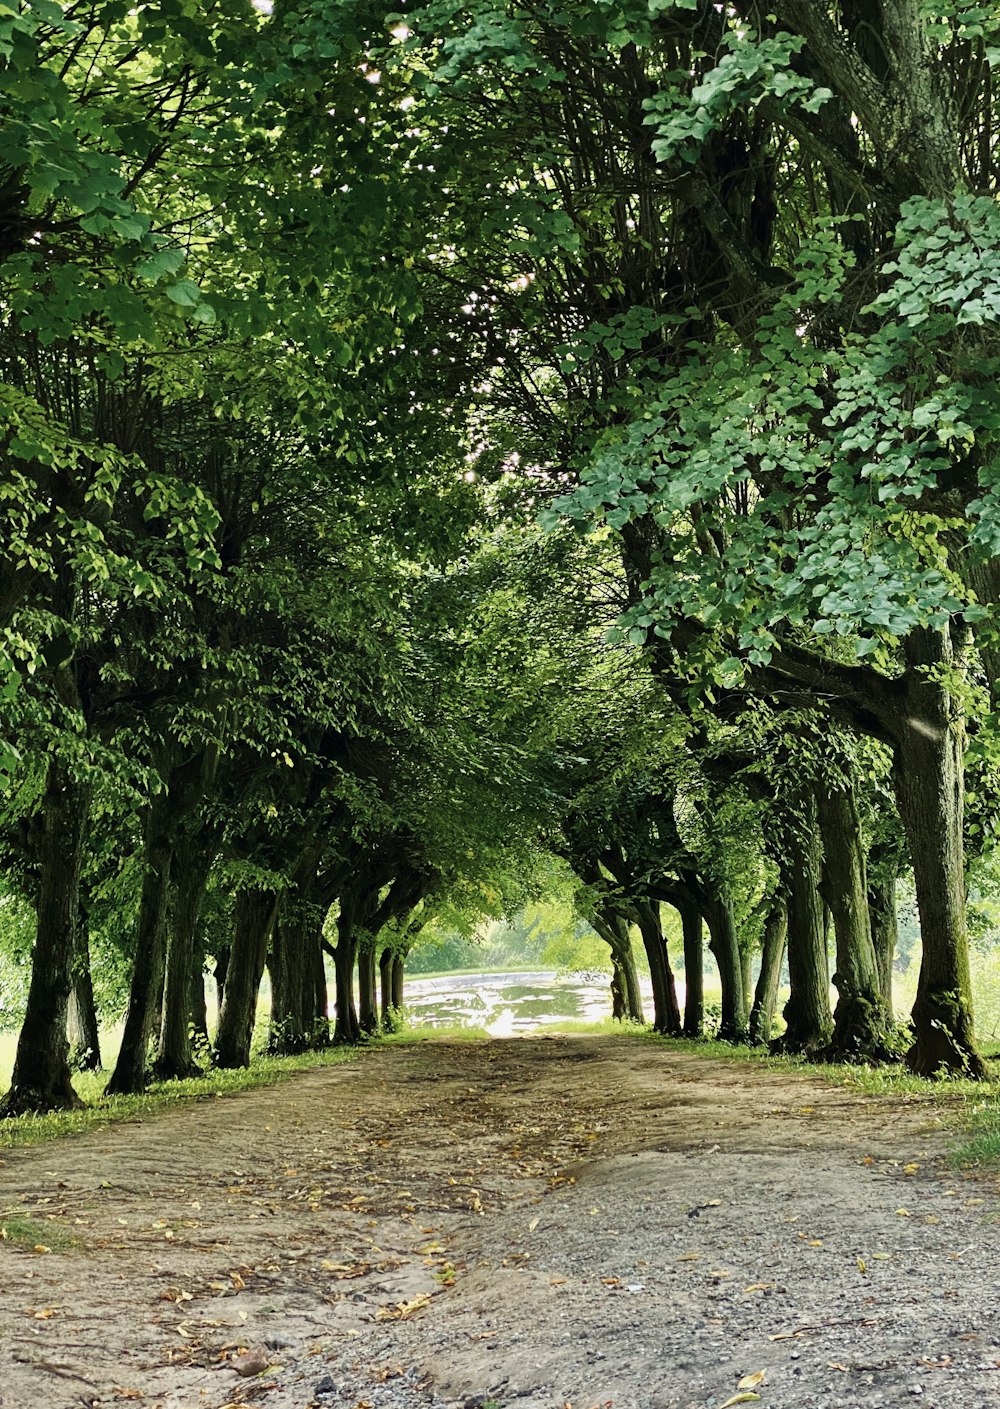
(319, 1035)
(666, 1013)
(862, 1027)
(291, 983)
(367, 992)
(84, 1034)
(190, 870)
(694, 969)
(130, 1074)
(626, 1000)
(256, 911)
(929, 783)
(808, 1020)
(42, 1080)
(398, 974)
(765, 998)
(346, 1027)
(725, 947)
(885, 933)
(385, 989)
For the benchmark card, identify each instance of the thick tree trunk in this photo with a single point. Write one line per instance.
(666, 1013)
(42, 1080)
(885, 933)
(385, 989)
(808, 1020)
(862, 1027)
(725, 947)
(130, 1075)
(398, 978)
(190, 869)
(694, 968)
(291, 983)
(256, 911)
(765, 998)
(367, 991)
(346, 1026)
(626, 999)
(929, 782)
(84, 1033)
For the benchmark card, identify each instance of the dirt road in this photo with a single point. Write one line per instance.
(534, 1223)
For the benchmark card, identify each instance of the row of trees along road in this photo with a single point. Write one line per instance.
(435, 442)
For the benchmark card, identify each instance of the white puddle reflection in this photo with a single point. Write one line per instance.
(512, 1003)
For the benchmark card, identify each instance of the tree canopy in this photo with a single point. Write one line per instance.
(441, 440)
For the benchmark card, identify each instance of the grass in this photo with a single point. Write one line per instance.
(102, 1110)
(30, 1233)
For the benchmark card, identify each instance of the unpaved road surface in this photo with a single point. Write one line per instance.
(529, 1224)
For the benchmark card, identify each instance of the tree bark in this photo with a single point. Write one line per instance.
(694, 968)
(190, 868)
(346, 1026)
(385, 988)
(626, 999)
(930, 793)
(256, 911)
(808, 1020)
(130, 1075)
(765, 998)
(725, 947)
(84, 1032)
(367, 992)
(42, 1080)
(398, 975)
(862, 1027)
(885, 933)
(666, 1013)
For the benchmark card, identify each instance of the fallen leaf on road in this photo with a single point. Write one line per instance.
(862, 1266)
(746, 1398)
(751, 1381)
(402, 1310)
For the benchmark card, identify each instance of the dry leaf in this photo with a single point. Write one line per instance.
(752, 1381)
(534, 1223)
(939, 1363)
(403, 1310)
(689, 1257)
(836, 1365)
(903, 1212)
(862, 1266)
(910, 1168)
(784, 1335)
(41, 1313)
(237, 1281)
(881, 1256)
(760, 1287)
(128, 1393)
(40, 1247)
(745, 1398)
